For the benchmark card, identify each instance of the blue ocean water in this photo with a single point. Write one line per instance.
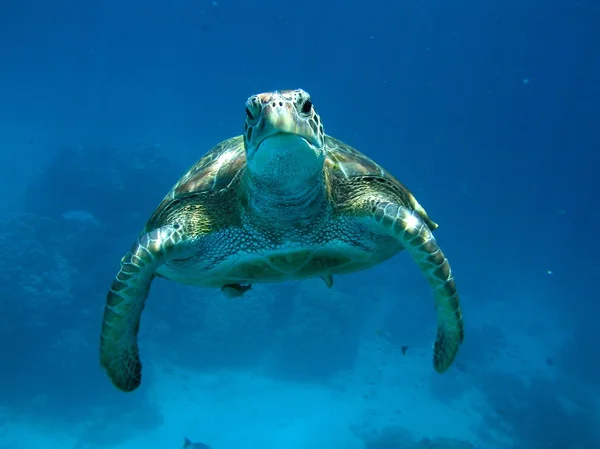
(487, 111)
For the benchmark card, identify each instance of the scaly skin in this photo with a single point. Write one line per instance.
(420, 243)
(283, 201)
(119, 354)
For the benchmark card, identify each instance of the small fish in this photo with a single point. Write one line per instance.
(391, 338)
(187, 444)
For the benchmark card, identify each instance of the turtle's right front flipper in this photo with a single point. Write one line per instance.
(413, 233)
(124, 304)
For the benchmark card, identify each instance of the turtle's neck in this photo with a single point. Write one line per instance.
(284, 202)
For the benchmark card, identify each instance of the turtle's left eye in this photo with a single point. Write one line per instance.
(306, 107)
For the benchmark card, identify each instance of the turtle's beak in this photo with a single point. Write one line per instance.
(280, 118)
(283, 143)
(284, 140)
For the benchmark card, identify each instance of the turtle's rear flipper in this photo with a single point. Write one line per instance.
(418, 240)
(124, 304)
(235, 290)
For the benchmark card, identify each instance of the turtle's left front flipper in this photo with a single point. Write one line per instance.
(416, 237)
(119, 354)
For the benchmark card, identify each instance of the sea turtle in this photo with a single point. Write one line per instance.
(282, 201)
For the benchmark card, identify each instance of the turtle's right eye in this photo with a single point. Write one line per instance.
(307, 107)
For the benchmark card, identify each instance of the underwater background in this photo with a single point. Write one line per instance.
(488, 111)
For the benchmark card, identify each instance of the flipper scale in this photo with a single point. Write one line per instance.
(418, 240)
(119, 354)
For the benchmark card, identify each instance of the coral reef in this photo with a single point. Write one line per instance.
(58, 261)
(539, 413)
(108, 182)
(36, 279)
(396, 437)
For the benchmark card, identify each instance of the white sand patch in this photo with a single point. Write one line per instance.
(245, 410)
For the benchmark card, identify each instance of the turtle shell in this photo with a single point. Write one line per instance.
(217, 169)
(213, 171)
(343, 161)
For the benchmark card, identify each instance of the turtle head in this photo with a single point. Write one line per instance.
(284, 140)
